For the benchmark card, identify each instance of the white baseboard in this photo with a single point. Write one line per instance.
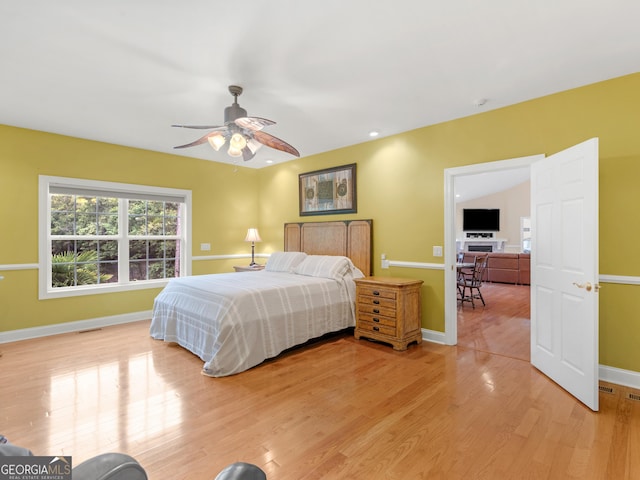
(68, 327)
(627, 378)
(433, 336)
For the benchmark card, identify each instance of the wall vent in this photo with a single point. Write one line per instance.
(634, 396)
(606, 389)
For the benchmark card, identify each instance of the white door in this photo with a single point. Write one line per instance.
(564, 269)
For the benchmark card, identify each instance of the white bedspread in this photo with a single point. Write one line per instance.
(234, 321)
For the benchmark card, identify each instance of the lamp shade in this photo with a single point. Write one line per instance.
(237, 141)
(252, 235)
(216, 141)
(234, 152)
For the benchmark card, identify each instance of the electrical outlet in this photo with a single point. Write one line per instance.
(385, 262)
(205, 247)
(437, 251)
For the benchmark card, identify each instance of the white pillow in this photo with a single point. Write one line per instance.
(284, 261)
(326, 266)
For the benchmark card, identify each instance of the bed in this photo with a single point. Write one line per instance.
(235, 321)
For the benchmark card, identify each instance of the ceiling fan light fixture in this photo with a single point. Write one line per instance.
(216, 141)
(244, 133)
(237, 142)
(253, 145)
(234, 152)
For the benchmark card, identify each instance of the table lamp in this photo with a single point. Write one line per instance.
(252, 236)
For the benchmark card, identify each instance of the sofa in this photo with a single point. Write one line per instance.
(505, 267)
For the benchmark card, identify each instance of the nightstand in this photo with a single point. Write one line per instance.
(248, 268)
(388, 310)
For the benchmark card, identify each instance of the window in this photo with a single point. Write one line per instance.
(103, 237)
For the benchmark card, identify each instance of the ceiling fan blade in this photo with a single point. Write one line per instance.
(275, 142)
(199, 141)
(253, 123)
(202, 127)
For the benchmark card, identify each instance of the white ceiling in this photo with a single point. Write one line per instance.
(327, 72)
(470, 187)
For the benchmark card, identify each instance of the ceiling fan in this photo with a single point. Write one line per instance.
(244, 134)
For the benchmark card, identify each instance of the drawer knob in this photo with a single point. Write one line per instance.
(376, 292)
(376, 319)
(376, 310)
(376, 302)
(377, 329)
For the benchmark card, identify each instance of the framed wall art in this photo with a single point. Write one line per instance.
(328, 191)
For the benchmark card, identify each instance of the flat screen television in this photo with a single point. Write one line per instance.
(480, 219)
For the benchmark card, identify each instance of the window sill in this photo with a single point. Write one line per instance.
(63, 292)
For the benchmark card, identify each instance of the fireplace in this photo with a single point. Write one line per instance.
(480, 248)
(487, 245)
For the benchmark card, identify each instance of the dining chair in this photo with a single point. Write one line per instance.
(473, 282)
(467, 269)
(461, 272)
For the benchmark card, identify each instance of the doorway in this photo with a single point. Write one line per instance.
(502, 326)
(451, 303)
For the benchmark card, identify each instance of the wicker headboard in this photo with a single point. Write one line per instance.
(350, 238)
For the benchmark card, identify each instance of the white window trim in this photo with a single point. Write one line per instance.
(45, 183)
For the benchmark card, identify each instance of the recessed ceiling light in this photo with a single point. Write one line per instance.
(374, 133)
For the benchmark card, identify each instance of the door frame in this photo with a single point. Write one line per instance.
(450, 291)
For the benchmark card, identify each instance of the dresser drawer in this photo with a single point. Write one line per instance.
(376, 310)
(377, 302)
(376, 319)
(366, 326)
(373, 291)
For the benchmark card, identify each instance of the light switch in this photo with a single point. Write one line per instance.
(437, 251)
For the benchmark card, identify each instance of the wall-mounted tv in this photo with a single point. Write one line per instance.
(480, 219)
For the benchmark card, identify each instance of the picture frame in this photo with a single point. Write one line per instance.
(329, 191)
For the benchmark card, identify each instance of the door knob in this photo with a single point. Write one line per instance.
(586, 286)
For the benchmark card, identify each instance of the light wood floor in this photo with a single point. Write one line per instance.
(338, 409)
(502, 326)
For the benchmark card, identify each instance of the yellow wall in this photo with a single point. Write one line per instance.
(25, 154)
(400, 186)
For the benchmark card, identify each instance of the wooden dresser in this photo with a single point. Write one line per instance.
(388, 310)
